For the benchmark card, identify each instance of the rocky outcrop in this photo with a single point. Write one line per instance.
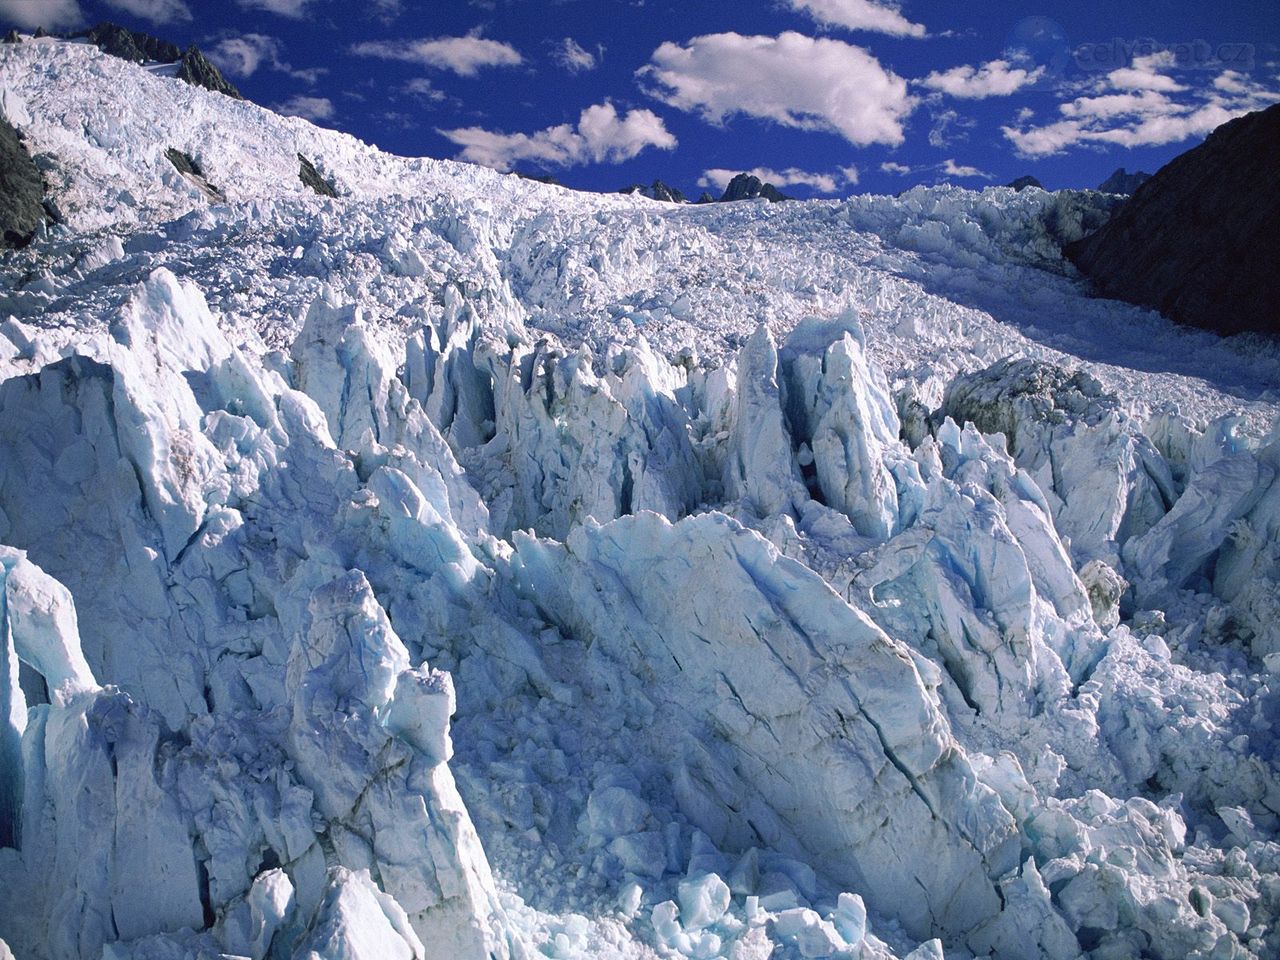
(657, 191)
(746, 187)
(190, 168)
(193, 66)
(1200, 240)
(21, 190)
(1023, 182)
(129, 45)
(1123, 182)
(311, 177)
(195, 69)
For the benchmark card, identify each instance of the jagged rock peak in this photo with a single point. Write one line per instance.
(747, 187)
(657, 191)
(1023, 182)
(195, 69)
(1123, 182)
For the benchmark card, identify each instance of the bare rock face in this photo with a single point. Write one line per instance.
(21, 190)
(1200, 240)
(746, 187)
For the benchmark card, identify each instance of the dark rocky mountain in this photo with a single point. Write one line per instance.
(1023, 182)
(12, 37)
(706, 197)
(1200, 240)
(746, 187)
(21, 190)
(193, 66)
(657, 191)
(129, 45)
(196, 69)
(310, 176)
(1123, 182)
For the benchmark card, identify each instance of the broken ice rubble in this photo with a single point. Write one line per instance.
(433, 605)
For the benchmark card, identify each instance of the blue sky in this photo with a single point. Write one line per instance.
(832, 96)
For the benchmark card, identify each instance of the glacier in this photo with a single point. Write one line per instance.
(467, 567)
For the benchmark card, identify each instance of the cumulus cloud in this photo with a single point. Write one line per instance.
(719, 178)
(601, 136)
(294, 9)
(995, 78)
(953, 169)
(572, 56)
(157, 11)
(791, 79)
(465, 56)
(1145, 74)
(309, 108)
(897, 169)
(1141, 105)
(860, 15)
(50, 14)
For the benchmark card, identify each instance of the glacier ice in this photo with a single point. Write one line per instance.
(466, 567)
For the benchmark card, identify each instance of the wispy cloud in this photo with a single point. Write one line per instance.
(719, 178)
(309, 108)
(465, 56)
(952, 169)
(294, 9)
(575, 58)
(996, 78)
(895, 168)
(791, 79)
(242, 56)
(600, 136)
(50, 14)
(157, 11)
(1141, 105)
(860, 15)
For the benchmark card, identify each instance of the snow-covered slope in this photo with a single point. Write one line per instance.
(467, 567)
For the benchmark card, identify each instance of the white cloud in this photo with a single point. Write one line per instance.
(953, 169)
(242, 56)
(1145, 74)
(575, 58)
(948, 128)
(465, 56)
(1135, 107)
(157, 11)
(860, 15)
(50, 14)
(601, 136)
(794, 80)
(897, 169)
(422, 87)
(309, 108)
(996, 78)
(719, 178)
(285, 8)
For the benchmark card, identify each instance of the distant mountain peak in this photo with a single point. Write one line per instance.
(746, 186)
(1123, 182)
(1024, 182)
(657, 191)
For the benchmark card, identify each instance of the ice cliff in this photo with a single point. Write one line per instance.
(464, 567)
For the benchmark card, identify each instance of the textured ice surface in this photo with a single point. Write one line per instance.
(466, 567)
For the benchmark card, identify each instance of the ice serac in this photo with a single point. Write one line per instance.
(788, 718)
(761, 469)
(1104, 479)
(839, 408)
